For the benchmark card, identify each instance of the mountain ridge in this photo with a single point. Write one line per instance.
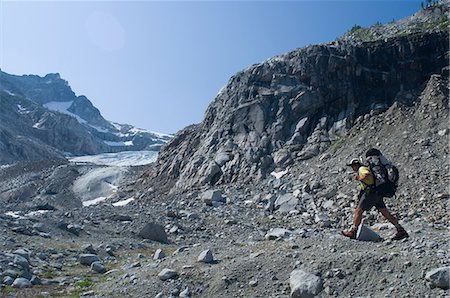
(53, 121)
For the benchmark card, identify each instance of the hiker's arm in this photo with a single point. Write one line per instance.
(361, 177)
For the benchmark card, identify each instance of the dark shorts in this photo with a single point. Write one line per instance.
(370, 199)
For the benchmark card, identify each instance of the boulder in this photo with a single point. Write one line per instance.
(88, 259)
(212, 196)
(166, 274)
(21, 283)
(98, 267)
(304, 284)
(159, 254)
(286, 203)
(439, 277)
(365, 233)
(277, 233)
(155, 232)
(206, 256)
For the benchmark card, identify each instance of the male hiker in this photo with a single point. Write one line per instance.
(368, 197)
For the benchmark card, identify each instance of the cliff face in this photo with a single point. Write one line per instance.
(292, 107)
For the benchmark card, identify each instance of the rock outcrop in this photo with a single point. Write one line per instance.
(294, 106)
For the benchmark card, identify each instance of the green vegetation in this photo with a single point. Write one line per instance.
(85, 283)
(48, 273)
(9, 289)
(362, 34)
(441, 25)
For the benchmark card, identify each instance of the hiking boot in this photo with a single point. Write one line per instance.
(401, 234)
(350, 234)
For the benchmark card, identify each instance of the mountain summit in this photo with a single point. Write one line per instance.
(42, 118)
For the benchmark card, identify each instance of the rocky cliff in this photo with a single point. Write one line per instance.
(294, 106)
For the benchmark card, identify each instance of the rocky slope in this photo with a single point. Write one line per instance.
(252, 234)
(43, 119)
(293, 107)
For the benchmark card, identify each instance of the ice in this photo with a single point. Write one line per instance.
(119, 159)
(123, 202)
(94, 201)
(278, 175)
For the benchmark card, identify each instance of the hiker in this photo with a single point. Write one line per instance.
(368, 197)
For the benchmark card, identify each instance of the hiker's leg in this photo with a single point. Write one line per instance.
(391, 218)
(357, 218)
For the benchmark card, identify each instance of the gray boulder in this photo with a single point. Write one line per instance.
(159, 254)
(166, 274)
(286, 203)
(277, 233)
(22, 262)
(304, 284)
(35, 280)
(155, 232)
(22, 252)
(365, 233)
(88, 259)
(98, 267)
(8, 280)
(211, 197)
(206, 256)
(439, 277)
(21, 283)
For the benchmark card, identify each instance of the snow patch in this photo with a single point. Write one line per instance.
(100, 129)
(36, 213)
(63, 107)
(22, 110)
(123, 202)
(39, 124)
(278, 175)
(119, 159)
(14, 214)
(94, 201)
(98, 183)
(127, 143)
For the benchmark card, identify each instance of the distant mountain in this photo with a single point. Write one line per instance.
(42, 118)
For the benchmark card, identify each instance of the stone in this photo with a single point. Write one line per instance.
(23, 253)
(213, 196)
(166, 274)
(89, 249)
(304, 284)
(439, 277)
(40, 227)
(22, 262)
(159, 254)
(365, 233)
(98, 267)
(8, 280)
(21, 283)
(35, 280)
(88, 259)
(286, 203)
(155, 232)
(277, 233)
(206, 256)
(186, 293)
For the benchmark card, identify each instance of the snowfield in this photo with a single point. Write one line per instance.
(120, 159)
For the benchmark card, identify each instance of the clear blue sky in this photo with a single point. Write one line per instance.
(157, 65)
